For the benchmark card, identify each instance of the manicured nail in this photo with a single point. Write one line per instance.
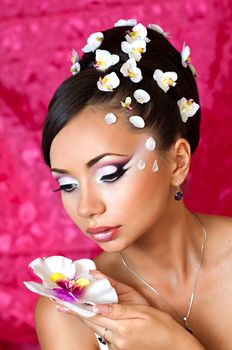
(62, 308)
(102, 309)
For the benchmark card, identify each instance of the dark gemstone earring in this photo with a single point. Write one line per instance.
(179, 194)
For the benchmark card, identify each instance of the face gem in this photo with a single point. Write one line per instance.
(141, 164)
(155, 167)
(150, 144)
(110, 118)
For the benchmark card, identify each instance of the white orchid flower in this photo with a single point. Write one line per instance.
(127, 103)
(134, 49)
(70, 284)
(186, 59)
(187, 108)
(141, 96)
(104, 59)
(138, 32)
(165, 80)
(158, 29)
(109, 82)
(93, 42)
(124, 22)
(137, 121)
(130, 69)
(75, 68)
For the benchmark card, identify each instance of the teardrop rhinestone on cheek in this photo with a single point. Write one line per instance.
(141, 164)
(155, 167)
(150, 144)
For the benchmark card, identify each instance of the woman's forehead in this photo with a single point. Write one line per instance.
(87, 134)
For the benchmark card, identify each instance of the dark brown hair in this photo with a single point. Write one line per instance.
(161, 114)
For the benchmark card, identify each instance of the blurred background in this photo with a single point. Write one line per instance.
(36, 39)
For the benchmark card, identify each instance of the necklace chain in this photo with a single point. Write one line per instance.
(191, 299)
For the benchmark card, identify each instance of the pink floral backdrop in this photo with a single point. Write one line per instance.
(36, 39)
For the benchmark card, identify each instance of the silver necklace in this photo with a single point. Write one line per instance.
(190, 304)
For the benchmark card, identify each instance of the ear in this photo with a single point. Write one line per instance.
(181, 158)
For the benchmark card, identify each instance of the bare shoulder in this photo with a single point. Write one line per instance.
(56, 330)
(219, 230)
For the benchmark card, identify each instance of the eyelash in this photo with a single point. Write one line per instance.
(107, 178)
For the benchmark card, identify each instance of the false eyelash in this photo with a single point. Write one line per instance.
(65, 188)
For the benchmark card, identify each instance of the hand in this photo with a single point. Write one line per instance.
(136, 327)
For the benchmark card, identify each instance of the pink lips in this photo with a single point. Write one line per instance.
(103, 233)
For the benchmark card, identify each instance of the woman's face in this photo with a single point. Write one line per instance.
(97, 167)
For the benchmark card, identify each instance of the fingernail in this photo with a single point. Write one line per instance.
(62, 308)
(102, 309)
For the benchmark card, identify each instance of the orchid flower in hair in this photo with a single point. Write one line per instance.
(188, 108)
(186, 59)
(109, 82)
(138, 32)
(158, 29)
(127, 103)
(124, 22)
(134, 49)
(93, 42)
(130, 69)
(70, 284)
(165, 80)
(75, 68)
(104, 59)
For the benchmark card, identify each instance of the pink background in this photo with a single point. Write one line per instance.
(36, 39)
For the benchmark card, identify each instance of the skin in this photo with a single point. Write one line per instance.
(159, 238)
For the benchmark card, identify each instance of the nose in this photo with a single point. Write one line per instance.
(90, 203)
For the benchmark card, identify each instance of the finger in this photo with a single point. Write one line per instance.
(122, 311)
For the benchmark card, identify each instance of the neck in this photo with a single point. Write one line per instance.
(173, 245)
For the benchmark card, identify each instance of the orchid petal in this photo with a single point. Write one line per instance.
(150, 144)
(141, 96)
(110, 118)
(83, 266)
(138, 32)
(188, 108)
(165, 80)
(158, 29)
(93, 42)
(123, 22)
(109, 82)
(100, 292)
(137, 121)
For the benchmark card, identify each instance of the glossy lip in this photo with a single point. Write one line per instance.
(103, 233)
(99, 229)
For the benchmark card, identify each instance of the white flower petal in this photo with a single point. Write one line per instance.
(99, 291)
(158, 29)
(110, 118)
(185, 55)
(138, 32)
(45, 267)
(150, 144)
(188, 108)
(155, 167)
(165, 80)
(126, 47)
(137, 121)
(141, 96)
(114, 59)
(109, 82)
(75, 68)
(93, 42)
(141, 164)
(123, 22)
(83, 266)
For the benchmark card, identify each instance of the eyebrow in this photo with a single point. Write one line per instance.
(90, 162)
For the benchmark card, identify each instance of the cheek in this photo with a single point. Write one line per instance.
(70, 202)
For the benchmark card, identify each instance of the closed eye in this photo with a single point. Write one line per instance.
(67, 184)
(118, 171)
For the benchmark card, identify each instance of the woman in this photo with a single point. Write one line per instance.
(118, 138)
